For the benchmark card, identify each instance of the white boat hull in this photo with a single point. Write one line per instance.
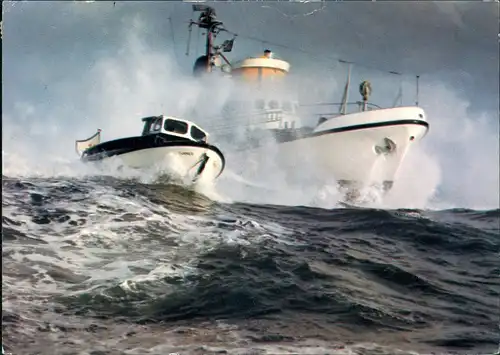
(167, 146)
(343, 148)
(178, 161)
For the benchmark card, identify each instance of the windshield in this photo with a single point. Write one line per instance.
(198, 134)
(173, 126)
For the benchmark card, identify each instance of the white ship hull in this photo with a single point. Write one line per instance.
(343, 147)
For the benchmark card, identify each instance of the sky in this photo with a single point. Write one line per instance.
(456, 42)
(68, 66)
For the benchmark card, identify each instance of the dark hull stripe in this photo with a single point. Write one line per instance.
(369, 125)
(291, 135)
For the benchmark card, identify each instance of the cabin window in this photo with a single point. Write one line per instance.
(286, 125)
(174, 126)
(260, 104)
(287, 106)
(273, 104)
(292, 125)
(198, 134)
(156, 125)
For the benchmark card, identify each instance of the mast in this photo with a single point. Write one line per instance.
(399, 97)
(208, 21)
(345, 97)
(416, 99)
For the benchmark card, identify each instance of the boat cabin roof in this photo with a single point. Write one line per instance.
(174, 126)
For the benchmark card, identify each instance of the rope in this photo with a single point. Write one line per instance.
(310, 54)
(315, 55)
(303, 51)
(172, 35)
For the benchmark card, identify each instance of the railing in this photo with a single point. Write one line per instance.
(306, 108)
(359, 103)
(235, 118)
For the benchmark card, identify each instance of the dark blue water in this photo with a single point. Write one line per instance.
(104, 266)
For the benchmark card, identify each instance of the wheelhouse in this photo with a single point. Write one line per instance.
(174, 127)
(271, 113)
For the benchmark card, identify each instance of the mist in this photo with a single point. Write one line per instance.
(64, 78)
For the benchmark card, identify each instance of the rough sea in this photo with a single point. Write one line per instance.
(102, 265)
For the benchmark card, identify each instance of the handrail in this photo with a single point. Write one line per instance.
(369, 104)
(305, 108)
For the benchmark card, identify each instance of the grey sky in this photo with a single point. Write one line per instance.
(455, 42)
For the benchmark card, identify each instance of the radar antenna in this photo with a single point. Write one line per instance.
(208, 21)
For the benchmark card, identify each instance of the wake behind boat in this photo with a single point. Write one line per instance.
(175, 146)
(356, 148)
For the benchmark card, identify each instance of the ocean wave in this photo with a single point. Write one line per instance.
(119, 266)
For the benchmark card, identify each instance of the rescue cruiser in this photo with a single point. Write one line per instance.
(355, 147)
(177, 146)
